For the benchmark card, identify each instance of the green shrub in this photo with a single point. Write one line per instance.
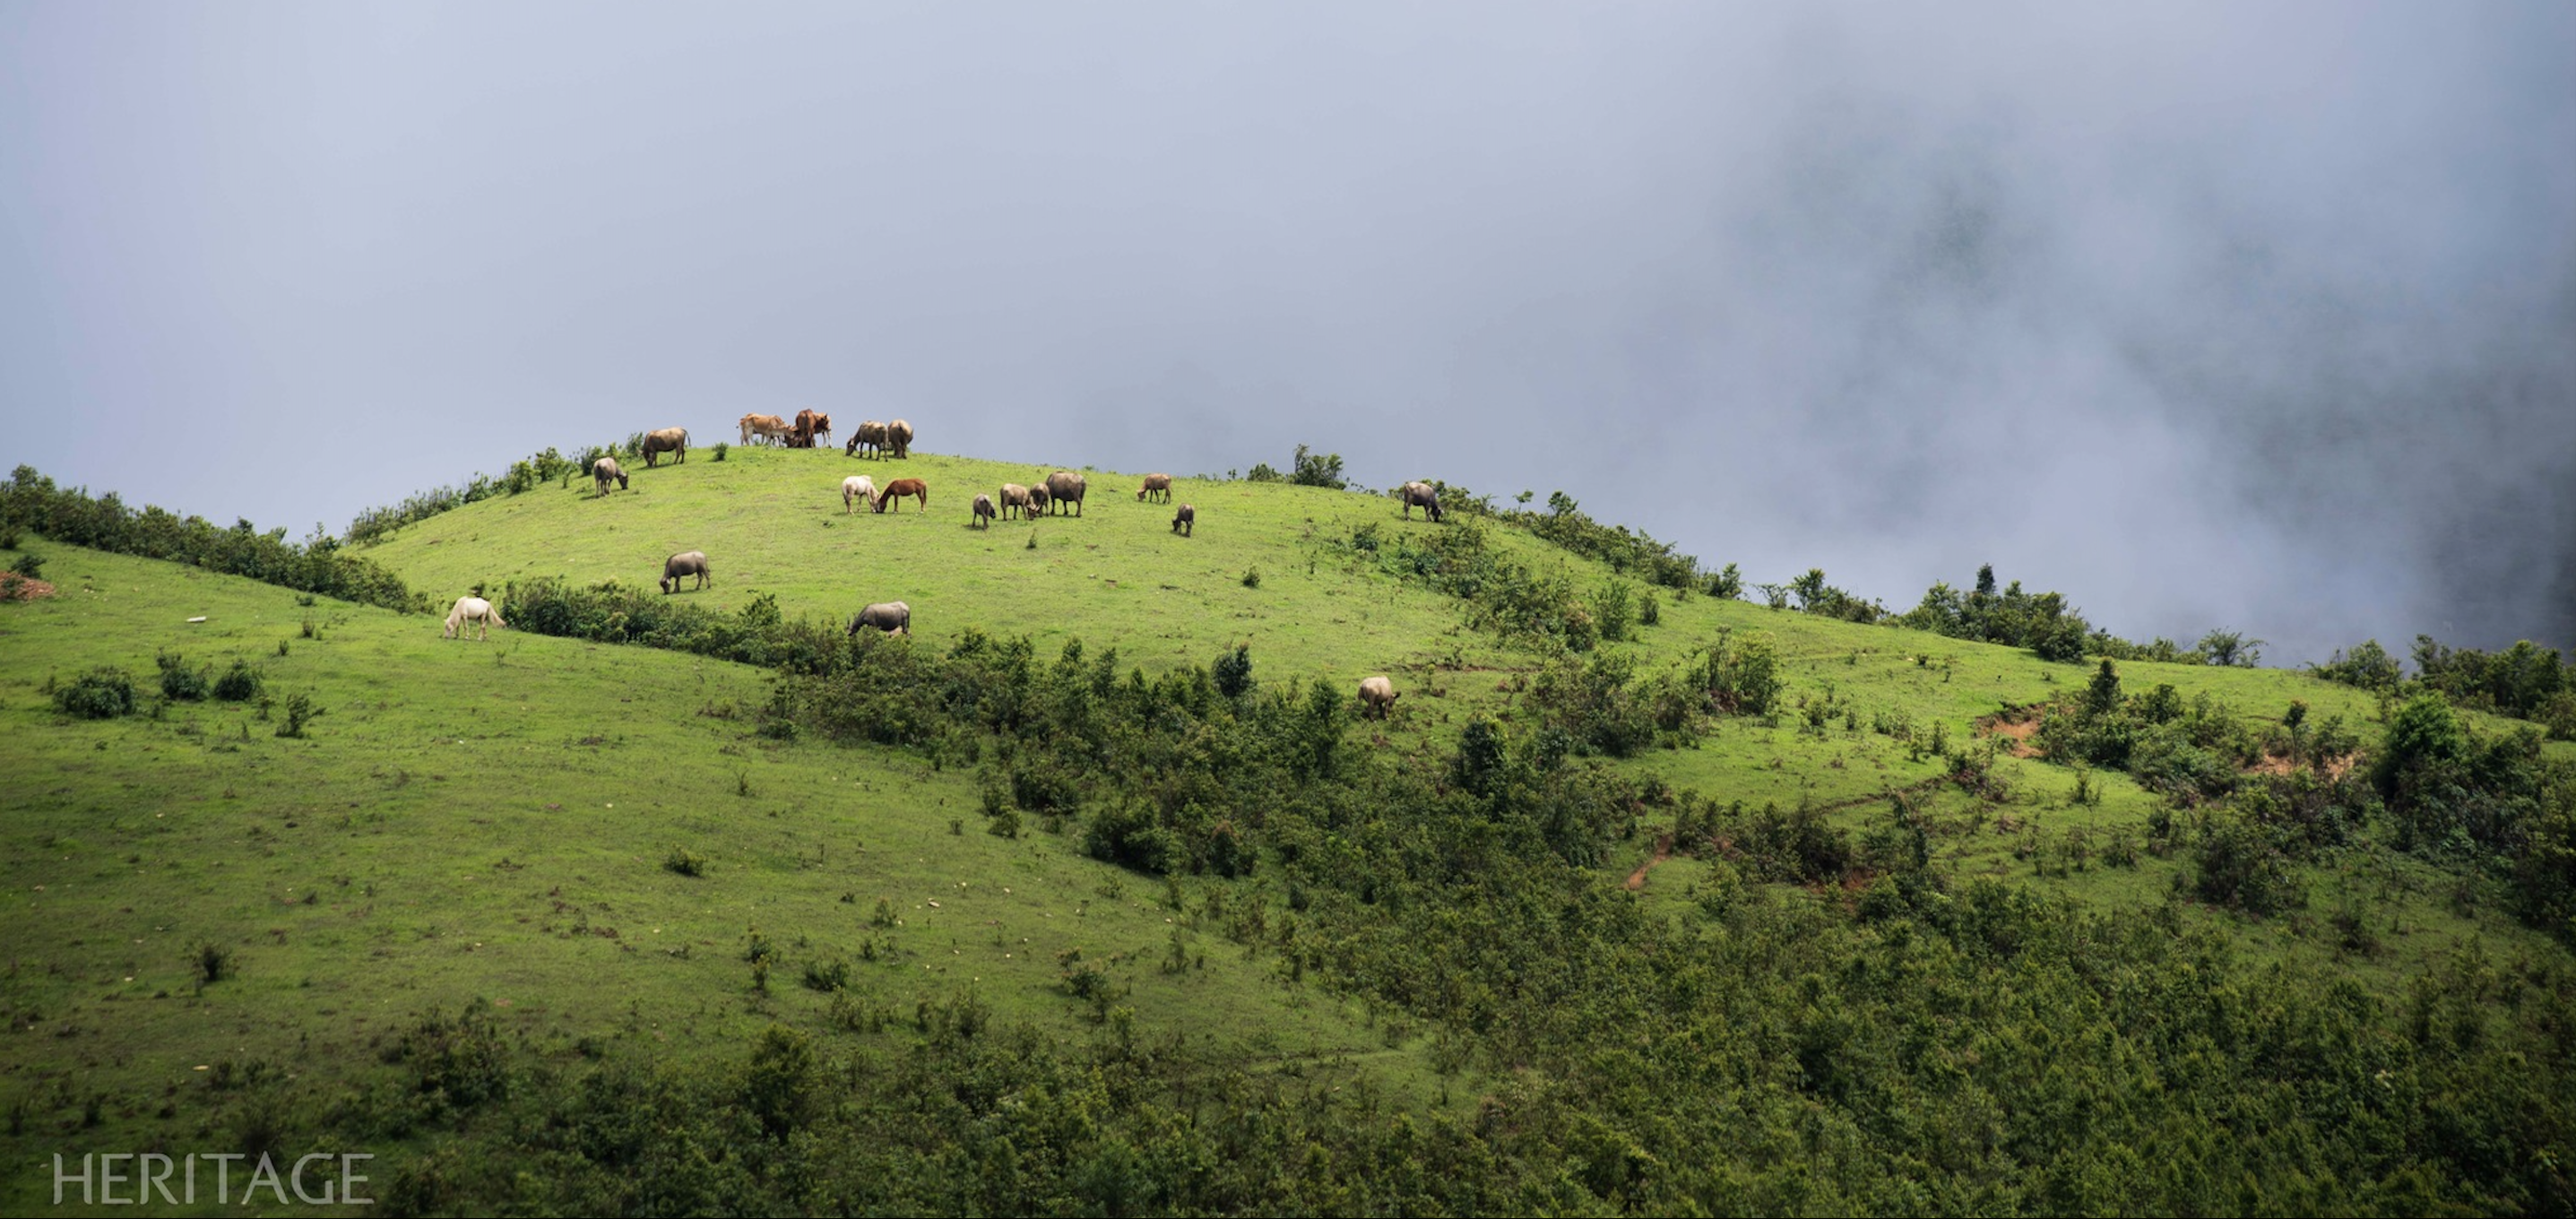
(28, 564)
(100, 694)
(684, 862)
(300, 710)
(1233, 672)
(179, 683)
(212, 961)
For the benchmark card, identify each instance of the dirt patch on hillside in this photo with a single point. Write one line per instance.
(24, 589)
(1663, 851)
(2277, 764)
(2015, 725)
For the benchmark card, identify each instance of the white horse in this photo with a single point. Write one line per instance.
(475, 610)
(855, 488)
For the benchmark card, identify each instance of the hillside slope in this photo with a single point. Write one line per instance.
(492, 820)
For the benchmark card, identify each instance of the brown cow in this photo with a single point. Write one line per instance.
(763, 427)
(983, 511)
(666, 440)
(822, 426)
(1420, 494)
(901, 487)
(1065, 487)
(870, 436)
(898, 437)
(1158, 486)
(1015, 496)
(1186, 521)
(607, 470)
(1038, 500)
(682, 566)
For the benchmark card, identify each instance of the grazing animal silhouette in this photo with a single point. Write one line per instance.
(901, 487)
(475, 610)
(1186, 521)
(680, 567)
(667, 440)
(1065, 487)
(606, 470)
(1158, 487)
(1420, 494)
(892, 617)
(855, 488)
(1015, 496)
(1377, 696)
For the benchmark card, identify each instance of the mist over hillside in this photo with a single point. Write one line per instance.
(2208, 317)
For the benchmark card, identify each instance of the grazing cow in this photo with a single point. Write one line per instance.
(1015, 496)
(763, 427)
(800, 434)
(1038, 500)
(898, 437)
(901, 487)
(1186, 521)
(477, 611)
(682, 566)
(983, 512)
(855, 488)
(1420, 494)
(892, 617)
(822, 426)
(1377, 696)
(870, 436)
(667, 440)
(606, 470)
(1159, 486)
(1065, 487)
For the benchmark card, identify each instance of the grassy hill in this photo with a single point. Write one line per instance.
(493, 820)
(772, 521)
(1612, 980)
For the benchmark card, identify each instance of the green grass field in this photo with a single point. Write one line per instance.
(492, 820)
(497, 819)
(1119, 577)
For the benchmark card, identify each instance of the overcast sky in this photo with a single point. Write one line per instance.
(2248, 316)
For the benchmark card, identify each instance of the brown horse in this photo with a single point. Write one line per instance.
(901, 487)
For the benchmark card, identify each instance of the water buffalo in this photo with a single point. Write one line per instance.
(892, 617)
(898, 437)
(1015, 496)
(1186, 521)
(855, 488)
(1420, 494)
(870, 435)
(983, 511)
(1377, 696)
(475, 610)
(1065, 487)
(667, 440)
(606, 470)
(1038, 500)
(901, 487)
(1157, 486)
(682, 566)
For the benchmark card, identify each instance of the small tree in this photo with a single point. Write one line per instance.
(1233, 672)
(2231, 648)
(1318, 470)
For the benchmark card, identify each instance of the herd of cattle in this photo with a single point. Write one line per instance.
(1059, 493)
